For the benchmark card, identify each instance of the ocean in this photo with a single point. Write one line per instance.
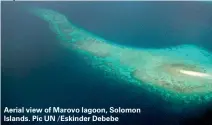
(39, 72)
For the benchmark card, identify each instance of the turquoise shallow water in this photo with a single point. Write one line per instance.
(56, 71)
(173, 73)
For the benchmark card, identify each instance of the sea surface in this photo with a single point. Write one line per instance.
(39, 72)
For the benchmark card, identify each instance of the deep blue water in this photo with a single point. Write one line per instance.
(37, 71)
